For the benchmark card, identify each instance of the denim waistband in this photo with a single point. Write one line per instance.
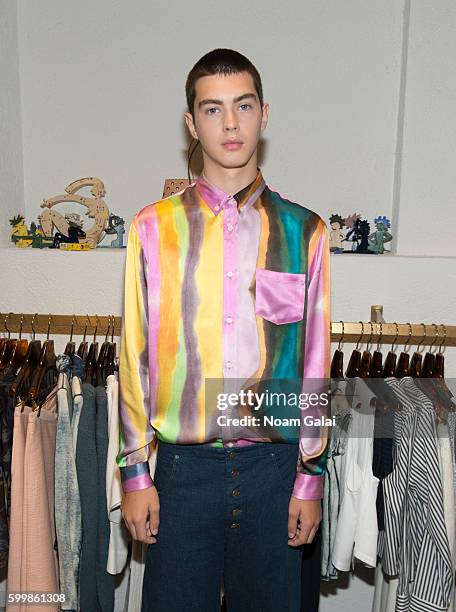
(205, 450)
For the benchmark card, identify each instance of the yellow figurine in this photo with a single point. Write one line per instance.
(20, 229)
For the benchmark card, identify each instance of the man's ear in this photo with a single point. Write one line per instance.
(190, 125)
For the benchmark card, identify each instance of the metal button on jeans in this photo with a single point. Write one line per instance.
(232, 455)
(235, 493)
(236, 511)
(234, 473)
(234, 525)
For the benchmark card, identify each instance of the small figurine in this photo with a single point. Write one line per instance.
(378, 238)
(359, 235)
(23, 237)
(74, 231)
(19, 229)
(116, 225)
(336, 235)
(350, 222)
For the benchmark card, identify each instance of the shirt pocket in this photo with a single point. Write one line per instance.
(280, 296)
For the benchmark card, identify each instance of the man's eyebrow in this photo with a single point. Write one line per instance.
(246, 96)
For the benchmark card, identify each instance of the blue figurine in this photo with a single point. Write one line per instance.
(116, 225)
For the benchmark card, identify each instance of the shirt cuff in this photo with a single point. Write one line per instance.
(136, 477)
(307, 486)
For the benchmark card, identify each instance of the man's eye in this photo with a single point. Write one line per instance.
(246, 105)
(208, 111)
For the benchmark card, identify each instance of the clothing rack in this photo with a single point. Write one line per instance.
(374, 331)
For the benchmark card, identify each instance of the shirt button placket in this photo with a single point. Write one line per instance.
(230, 242)
(229, 366)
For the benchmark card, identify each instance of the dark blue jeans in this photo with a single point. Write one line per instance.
(223, 515)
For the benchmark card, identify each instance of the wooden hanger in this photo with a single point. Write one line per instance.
(19, 352)
(47, 360)
(417, 358)
(91, 360)
(337, 361)
(439, 369)
(83, 347)
(31, 360)
(112, 353)
(433, 384)
(376, 367)
(12, 351)
(389, 368)
(100, 367)
(366, 358)
(403, 364)
(427, 370)
(71, 346)
(7, 346)
(354, 365)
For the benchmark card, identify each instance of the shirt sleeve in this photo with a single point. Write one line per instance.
(316, 376)
(135, 431)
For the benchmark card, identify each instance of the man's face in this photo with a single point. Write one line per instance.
(228, 118)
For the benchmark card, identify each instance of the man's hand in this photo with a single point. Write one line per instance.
(141, 511)
(304, 516)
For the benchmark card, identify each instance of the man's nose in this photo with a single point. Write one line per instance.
(231, 121)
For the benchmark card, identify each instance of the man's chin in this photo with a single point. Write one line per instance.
(241, 162)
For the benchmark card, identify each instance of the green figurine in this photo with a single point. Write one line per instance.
(378, 238)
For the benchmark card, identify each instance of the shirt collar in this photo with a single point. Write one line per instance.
(216, 198)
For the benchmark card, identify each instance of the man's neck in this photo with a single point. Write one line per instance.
(230, 180)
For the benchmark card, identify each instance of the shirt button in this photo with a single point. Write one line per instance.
(217, 207)
(229, 227)
(229, 364)
(229, 274)
(229, 320)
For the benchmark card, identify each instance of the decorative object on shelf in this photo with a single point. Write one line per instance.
(359, 234)
(336, 235)
(21, 235)
(378, 238)
(65, 231)
(174, 185)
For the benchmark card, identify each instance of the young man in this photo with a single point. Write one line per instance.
(226, 281)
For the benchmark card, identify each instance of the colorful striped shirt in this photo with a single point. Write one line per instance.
(220, 290)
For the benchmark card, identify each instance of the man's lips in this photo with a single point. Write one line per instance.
(232, 145)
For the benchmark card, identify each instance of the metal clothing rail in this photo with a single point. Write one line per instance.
(376, 330)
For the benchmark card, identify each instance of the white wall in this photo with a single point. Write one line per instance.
(427, 212)
(11, 169)
(361, 120)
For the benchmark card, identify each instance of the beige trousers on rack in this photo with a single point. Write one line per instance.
(32, 560)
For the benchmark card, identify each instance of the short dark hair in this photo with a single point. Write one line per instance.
(220, 61)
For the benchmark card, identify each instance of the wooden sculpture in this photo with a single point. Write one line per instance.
(97, 210)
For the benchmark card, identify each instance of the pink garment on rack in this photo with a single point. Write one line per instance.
(32, 563)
